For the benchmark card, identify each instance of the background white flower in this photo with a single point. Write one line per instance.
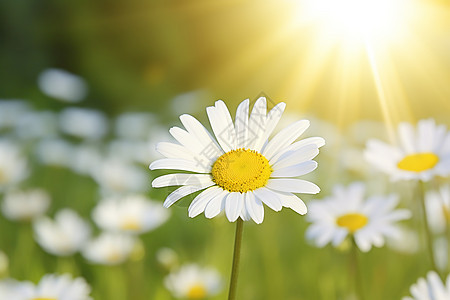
(83, 123)
(25, 205)
(129, 214)
(347, 212)
(194, 282)
(239, 169)
(52, 286)
(62, 85)
(438, 208)
(422, 154)
(13, 165)
(430, 288)
(109, 248)
(67, 234)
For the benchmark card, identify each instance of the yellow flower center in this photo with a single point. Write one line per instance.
(44, 299)
(241, 170)
(130, 224)
(352, 221)
(197, 291)
(418, 162)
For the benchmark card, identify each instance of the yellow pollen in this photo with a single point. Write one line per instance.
(197, 291)
(241, 170)
(352, 221)
(130, 224)
(418, 162)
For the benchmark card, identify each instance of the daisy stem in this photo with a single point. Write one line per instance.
(356, 271)
(428, 235)
(236, 259)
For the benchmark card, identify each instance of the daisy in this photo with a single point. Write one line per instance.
(62, 85)
(52, 286)
(64, 236)
(239, 169)
(117, 176)
(422, 154)
(194, 282)
(131, 214)
(13, 166)
(109, 248)
(438, 208)
(25, 205)
(84, 123)
(346, 213)
(430, 288)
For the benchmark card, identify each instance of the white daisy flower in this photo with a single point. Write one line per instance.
(167, 258)
(438, 208)
(37, 125)
(239, 168)
(422, 153)
(54, 287)
(193, 282)
(13, 166)
(10, 289)
(83, 123)
(346, 212)
(430, 288)
(109, 248)
(131, 214)
(134, 125)
(62, 85)
(10, 112)
(117, 176)
(25, 205)
(55, 152)
(67, 234)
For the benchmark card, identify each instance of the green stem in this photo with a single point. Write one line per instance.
(356, 271)
(236, 259)
(428, 234)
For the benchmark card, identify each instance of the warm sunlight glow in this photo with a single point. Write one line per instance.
(357, 18)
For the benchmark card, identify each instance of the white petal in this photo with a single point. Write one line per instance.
(233, 206)
(254, 207)
(318, 141)
(426, 130)
(171, 150)
(181, 164)
(181, 179)
(295, 170)
(269, 198)
(199, 203)
(216, 205)
(294, 157)
(186, 139)
(293, 186)
(257, 123)
(293, 202)
(271, 122)
(222, 126)
(182, 192)
(284, 138)
(407, 137)
(194, 127)
(241, 124)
